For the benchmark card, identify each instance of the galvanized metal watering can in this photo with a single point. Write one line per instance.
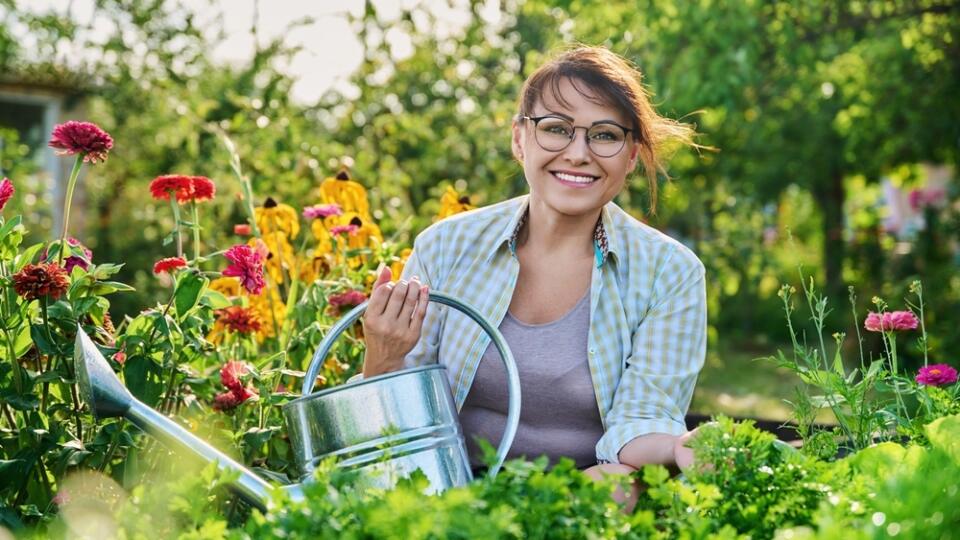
(385, 427)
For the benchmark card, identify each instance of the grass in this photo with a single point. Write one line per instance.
(738, 380)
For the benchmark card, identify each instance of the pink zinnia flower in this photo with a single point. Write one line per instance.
(236, 392)
(74, 260)
(344, 229)
(231, 372)
(348, 298)
(82, 138)
(168, 265)
(937, 375)
(6, 192)
(322, 211)
(246, 264)
(120, 357)
(61, 498)
(891, 321)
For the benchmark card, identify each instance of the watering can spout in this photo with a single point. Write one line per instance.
(99, 385)
(107, 397)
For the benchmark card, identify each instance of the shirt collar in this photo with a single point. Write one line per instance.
(603, 243)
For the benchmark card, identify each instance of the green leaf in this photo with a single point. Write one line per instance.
(106, 287)
(26, 256)
(104, 271)
(215, 299)
(38, 333)
(190, 287)
(944, 433)
(143, 378)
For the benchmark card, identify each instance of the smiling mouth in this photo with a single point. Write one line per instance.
(579, 179)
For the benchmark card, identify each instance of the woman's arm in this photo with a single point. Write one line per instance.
(658, 449)
(668, 348)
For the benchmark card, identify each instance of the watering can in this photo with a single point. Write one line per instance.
(384, 427)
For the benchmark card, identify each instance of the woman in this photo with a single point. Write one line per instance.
(605, 315)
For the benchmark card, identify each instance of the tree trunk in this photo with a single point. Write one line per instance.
(830, 196)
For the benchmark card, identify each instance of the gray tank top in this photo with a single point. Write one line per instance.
(558, 413)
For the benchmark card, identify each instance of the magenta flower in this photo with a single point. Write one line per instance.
(344, 229)
(74, 260)
(6, 192)
(247, 264)
(82, 138)
(891, 321)
(339, 301)
(937, 375)
(322, 211)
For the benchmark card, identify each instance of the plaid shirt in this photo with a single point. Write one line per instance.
(648, 314)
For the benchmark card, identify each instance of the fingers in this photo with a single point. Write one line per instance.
(410, 301)
(421, 311)
(395, 302)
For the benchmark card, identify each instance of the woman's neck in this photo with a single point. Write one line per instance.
(547, 231)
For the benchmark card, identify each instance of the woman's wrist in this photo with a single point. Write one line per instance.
(649, 449)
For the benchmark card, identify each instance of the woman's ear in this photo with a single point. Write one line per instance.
(516, 143)
(634, 152)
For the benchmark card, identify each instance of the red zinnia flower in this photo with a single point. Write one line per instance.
(38, 280)
(6, 192)
(181, 186)
(937, 375)
(243, 229)
(239, 319)
(891, 321)
(344, 229)
(246, 264)
(82, 138)
(322, 211)
(203, 188)
(346, 299)
(120, 357)
(168, 265)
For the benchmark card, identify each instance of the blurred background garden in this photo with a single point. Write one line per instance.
(836, 129)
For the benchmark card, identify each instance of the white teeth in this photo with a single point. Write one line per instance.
(574, 178)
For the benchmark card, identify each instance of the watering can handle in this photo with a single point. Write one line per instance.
(513, 379)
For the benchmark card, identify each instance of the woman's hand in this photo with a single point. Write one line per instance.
(682, 454)
(392, 322)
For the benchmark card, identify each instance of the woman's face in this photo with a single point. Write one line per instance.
(573, 181)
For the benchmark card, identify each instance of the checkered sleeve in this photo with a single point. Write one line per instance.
(422, 262)
(668, 349)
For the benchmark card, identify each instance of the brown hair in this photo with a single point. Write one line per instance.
(619, 85)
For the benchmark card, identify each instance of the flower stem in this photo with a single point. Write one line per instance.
(71, 185)
(176, 223)
(196, 231)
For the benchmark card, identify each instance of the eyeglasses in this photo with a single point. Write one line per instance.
(553, 134)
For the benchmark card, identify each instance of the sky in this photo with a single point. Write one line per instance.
(331, 51)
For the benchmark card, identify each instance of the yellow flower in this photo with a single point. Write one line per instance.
(396, 268)
(270, 308)
(453, 203)
(324, 242)
(277, 217)
(281, 254)
(227, 286)
(350, 195)
(366, 235)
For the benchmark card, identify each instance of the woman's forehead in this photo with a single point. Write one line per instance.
(576, 98)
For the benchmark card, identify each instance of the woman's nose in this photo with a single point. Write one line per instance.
(578, 151)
